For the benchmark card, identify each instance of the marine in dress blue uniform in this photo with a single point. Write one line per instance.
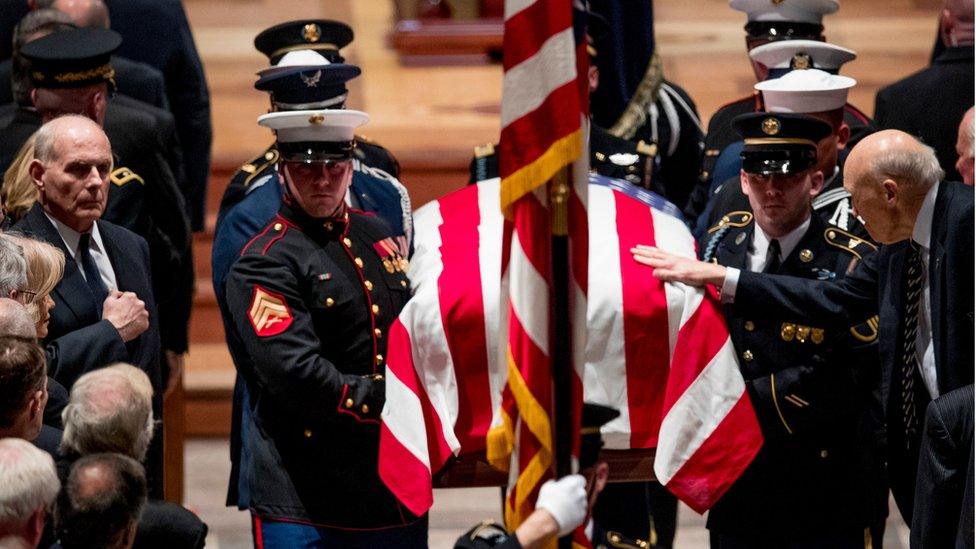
(326, 38)
(371, 190)
(817, 481)
(312, 296)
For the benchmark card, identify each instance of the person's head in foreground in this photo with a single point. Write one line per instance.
(28, 486)
(100, 503)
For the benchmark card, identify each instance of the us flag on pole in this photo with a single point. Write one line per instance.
(543, 140)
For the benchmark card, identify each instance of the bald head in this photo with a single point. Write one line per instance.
(71, 168)
(15, 320)
(888, 175)
(84, 13)
(965, 149)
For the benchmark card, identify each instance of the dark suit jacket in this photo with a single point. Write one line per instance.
(134, 79)
(930, 103)
(153, 208)
(74, 307)
(156, 32)
(876, 286)
(166, 525)
(945, 473)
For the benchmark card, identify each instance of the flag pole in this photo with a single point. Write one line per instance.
(561, 326)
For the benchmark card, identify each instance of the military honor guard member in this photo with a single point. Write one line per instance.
(768, 22)
(817, 480)
(919, 283)
(311, 298)
(325, 38)
(561, 506)
(821, 95)
(300, 78)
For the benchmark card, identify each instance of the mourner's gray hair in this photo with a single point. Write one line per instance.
(34, 25)
(915, 168)
(13, 267)
(109, 410)
(28, 481)
(15, 320)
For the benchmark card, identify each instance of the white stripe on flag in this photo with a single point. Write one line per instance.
(490, 265)
(605, 380)
(671, 235)
(527, 289)
(513, 7)
(698, 411)
(529, 83)
(401, 414)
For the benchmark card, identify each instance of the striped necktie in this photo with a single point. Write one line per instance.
(913, 291)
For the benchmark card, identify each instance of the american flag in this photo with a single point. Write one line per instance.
(660, 353)
(543, 166)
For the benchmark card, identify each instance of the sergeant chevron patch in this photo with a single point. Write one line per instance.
(269, 313)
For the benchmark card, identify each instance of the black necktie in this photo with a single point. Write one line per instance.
(92, 276)
(772, 257)
(913, 290)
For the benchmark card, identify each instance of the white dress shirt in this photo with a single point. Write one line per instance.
(924, 345)
(71, 239)
(756, 256)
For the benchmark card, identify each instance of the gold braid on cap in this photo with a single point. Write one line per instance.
(636, 112)
(105, 72)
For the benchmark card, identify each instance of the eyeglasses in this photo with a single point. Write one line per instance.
(28, 296)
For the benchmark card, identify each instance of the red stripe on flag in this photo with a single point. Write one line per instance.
(525, 139)
(408, 479)
(645, 325)
(527, 31)
(699, 340)
(720, 460)
(532, 362)
(462, 305)
(580, 240)
(531, 220)
(406, 476)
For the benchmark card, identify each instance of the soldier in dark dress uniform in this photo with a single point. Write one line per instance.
(326, 38)
(768, 22)
(312, 296)
(291, 83)
(822, 95)
(817, 479)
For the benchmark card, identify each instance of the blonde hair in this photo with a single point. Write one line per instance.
(45, 267)
(19, 193)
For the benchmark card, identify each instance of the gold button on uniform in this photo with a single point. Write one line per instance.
(823, 454)
(359, 262)
(278, 226)
(347, 242)
(403, 283)
(369, 285)
(379, 359)
(308, 433)
(349, 403)
(365, 408)
(329, 302)
(377, 332)
(749, 326)
(376, 309)
(747, 355)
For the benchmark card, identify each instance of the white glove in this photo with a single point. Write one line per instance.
(565, 499)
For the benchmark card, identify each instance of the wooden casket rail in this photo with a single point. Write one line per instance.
(472, 470)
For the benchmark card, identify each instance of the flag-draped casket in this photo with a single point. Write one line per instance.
(660, 353)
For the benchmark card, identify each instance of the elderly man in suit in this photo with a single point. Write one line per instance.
(919, 282)
(107, 269)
